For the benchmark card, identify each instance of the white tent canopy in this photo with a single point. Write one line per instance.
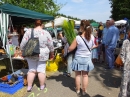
(77, 22)
(59, 22)
(120, 22)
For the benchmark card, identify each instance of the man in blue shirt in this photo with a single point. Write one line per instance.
(104, 35)
(110, 43)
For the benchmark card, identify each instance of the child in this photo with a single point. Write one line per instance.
(95, 50)
(125, 56)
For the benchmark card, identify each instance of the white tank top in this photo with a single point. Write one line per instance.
(82, 49)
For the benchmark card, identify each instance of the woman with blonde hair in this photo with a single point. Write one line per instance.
(82, 62)
(37, 64)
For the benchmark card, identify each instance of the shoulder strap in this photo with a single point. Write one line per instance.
(85, 43)
(32, 34)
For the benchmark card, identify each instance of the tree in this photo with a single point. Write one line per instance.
(70, 17)
(120, 9)
(50, 7)
(91, 20)
(44, 6)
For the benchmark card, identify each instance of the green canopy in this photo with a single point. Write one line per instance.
(95, 25)
(22, 14)
(18, 15)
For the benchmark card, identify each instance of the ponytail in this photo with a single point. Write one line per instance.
(88, 33)
(85, 27)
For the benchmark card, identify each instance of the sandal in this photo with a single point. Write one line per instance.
(43, 87)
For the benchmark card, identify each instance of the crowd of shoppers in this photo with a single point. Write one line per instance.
(89, 46)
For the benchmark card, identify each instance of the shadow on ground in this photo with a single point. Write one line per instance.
(87, 95)
(66, 82)
(111, 78)
(98, 96)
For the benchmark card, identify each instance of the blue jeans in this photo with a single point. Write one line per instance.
(69, 61)
(110, 57)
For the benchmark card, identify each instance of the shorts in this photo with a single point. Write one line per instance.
(36, 66)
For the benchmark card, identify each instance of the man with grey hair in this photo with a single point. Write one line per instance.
(110, 43)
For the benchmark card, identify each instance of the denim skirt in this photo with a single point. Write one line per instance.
(82, 64)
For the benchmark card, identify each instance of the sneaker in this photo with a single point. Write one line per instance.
(84, 93)
(43, 87)
(78, 93)
(67, 74)
(29, 89)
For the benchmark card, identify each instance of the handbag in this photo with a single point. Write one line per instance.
(118, 61)
(85, 43)
(32, 47)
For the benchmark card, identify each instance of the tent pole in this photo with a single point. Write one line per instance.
(10, 55)
(4, 37)
(8, 46)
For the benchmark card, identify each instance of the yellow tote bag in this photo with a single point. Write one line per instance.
(52, 65)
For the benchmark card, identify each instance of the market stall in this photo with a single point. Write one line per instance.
(12, 15)
(16, 15)
(56, 25)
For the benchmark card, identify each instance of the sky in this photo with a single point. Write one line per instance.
(98, 10)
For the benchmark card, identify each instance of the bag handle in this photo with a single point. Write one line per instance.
(85, 43)
(32, 34)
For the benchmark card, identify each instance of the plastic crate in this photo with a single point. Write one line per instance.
(21, 70)
(11, 89)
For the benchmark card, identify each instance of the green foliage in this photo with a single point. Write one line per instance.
(120, 9)
(92, 21)
(44, 6)
(68, 28)
(70, 17)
